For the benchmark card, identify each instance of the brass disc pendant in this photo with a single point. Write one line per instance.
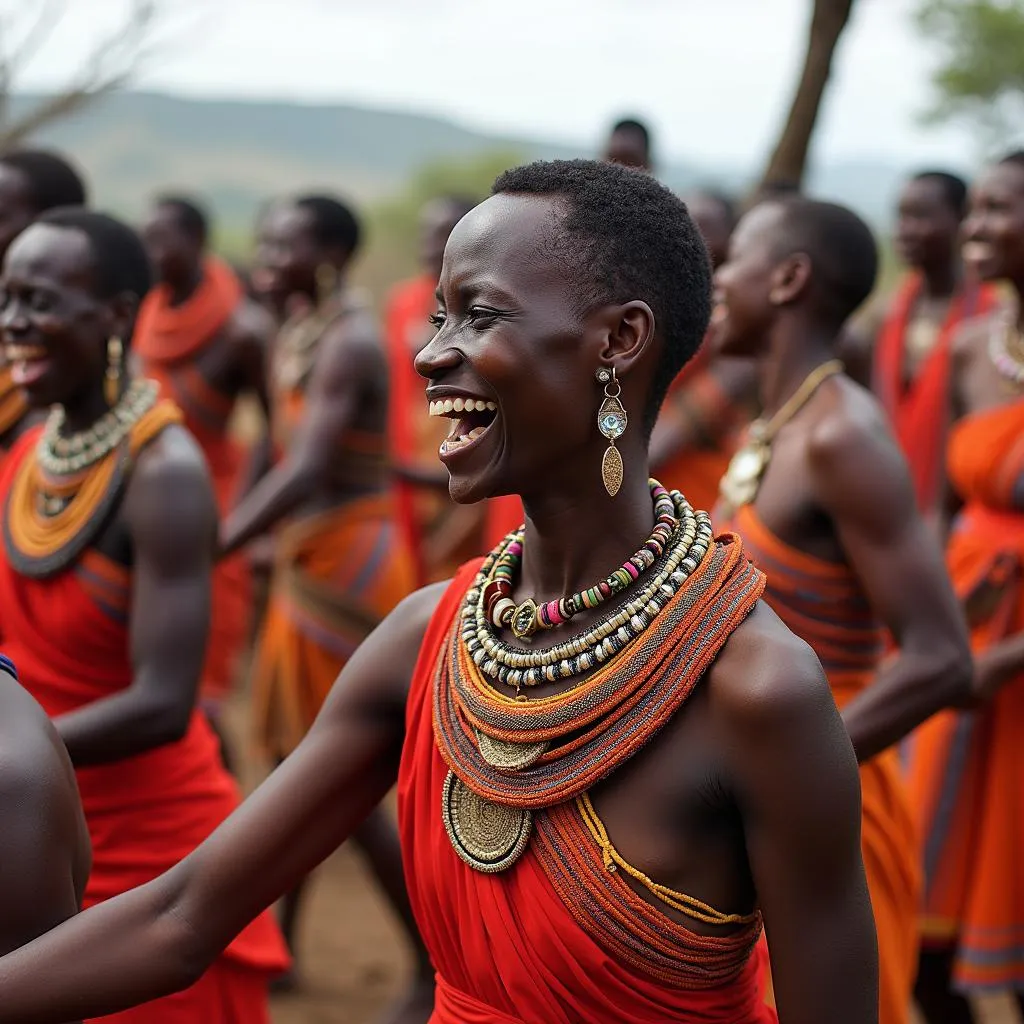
(489, 837)
(509, 757)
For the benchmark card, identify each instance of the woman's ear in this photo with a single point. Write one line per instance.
(627, 331)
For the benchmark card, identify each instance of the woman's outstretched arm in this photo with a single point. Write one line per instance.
(161, 937)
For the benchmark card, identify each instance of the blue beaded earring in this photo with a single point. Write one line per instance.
(611, 421)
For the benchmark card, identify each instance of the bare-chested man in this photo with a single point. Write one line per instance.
(822, 498)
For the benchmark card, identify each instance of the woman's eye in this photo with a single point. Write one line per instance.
(436, 320)
(477, 314)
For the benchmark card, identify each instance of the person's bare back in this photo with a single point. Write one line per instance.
(45, 852)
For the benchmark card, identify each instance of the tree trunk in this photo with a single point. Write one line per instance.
(788, 162)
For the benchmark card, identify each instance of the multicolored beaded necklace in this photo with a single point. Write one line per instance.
(526, 618)
(513, 666)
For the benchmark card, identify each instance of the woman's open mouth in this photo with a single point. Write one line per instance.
(27, 362)
(471, 418)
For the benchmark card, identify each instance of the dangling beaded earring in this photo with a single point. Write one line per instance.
(326, 282)
(112, 381)
(611, 421)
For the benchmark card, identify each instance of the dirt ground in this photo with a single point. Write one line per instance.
(352, 956)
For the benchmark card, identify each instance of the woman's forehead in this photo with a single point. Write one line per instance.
(1001, 179)
(506, 235)
(61, 255)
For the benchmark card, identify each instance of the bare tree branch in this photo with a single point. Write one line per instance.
(108, 66)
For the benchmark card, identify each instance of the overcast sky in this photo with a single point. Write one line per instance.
(712, 77)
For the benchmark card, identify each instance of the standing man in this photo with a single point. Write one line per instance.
(714, 398)
(206, 343)
(907, 342)
(823, 502)
(629, 144)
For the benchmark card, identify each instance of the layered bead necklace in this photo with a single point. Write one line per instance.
(680, 539)
(66, 490)
(509, 757)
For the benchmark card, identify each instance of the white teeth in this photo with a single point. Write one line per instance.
(446, 406)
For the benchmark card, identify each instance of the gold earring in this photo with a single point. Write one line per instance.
(611, 421)
(112, 381)
(326, 282)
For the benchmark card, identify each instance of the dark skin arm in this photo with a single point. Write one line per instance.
(161, 937)
(796, 782)
(250, 333)
(737, 379)
(346, 359)
(44, 844)
(170, 516)
(859, 479)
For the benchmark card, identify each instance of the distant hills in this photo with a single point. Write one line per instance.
(237, 153)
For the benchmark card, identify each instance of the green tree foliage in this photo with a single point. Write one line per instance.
(980, 74)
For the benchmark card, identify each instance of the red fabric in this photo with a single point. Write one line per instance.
(410, 303)
(504, 515)
(226, 994)
(167, 340)
(919, 412)
(69, 637)
(506, 949)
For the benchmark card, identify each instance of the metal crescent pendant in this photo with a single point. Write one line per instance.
(489, 837)
(509, 757)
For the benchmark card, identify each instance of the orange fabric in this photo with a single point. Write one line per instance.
(226, 994)
(338, 574)
(823, 604)
(505, 946)
(919, 411)
(167, 340)
(414, 436)
(966, 770)
(697, 472)
(13, 403)
(69, 636)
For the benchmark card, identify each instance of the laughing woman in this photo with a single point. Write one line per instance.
(613, 762)
(108, 538)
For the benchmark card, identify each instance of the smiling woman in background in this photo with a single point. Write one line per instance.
(966, 768)
(108, 529)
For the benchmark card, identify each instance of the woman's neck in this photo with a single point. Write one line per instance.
(792, 355)
(84, 410)
(576, 536)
